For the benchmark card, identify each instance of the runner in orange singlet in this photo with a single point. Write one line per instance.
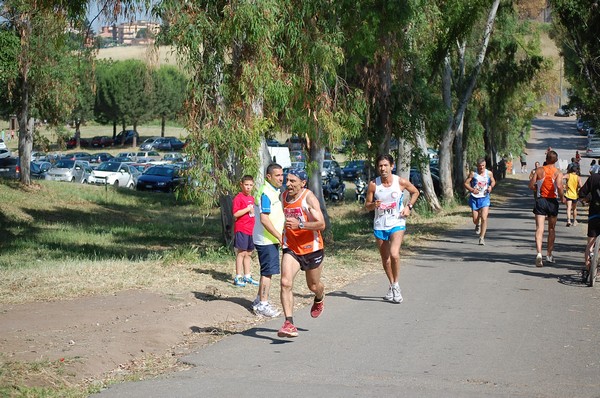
(547, 181)
(302, 247)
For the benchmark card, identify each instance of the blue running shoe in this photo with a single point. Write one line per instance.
(239, 281)
(251, 281)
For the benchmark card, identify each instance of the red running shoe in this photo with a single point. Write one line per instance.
(288, 330)
(317, 308)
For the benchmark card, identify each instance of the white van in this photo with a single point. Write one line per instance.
(281, 156)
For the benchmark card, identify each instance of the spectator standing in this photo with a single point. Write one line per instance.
(302, 248)
(547, 181)
(243, 213)
(268, 237)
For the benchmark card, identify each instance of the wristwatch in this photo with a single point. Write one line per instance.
(409, 206)
(300, 224)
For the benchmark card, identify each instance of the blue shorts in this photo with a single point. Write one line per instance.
(386, 234)
(268, 257)
(243, 241)
(479, 203)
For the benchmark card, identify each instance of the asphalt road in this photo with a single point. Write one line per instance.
(476, 321)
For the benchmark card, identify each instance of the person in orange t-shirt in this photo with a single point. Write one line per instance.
(302, 247)
(547, 181)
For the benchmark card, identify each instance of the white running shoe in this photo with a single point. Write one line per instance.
(266, 310)
(390, 294)
(539, 262)
(550, 259)
(397, 294)
(482, 241)
(255, 304)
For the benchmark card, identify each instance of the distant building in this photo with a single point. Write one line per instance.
(127, 33)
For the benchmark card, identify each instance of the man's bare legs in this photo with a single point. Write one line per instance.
(289, 270)
(390, 255)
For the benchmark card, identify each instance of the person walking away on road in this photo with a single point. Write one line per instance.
(268, 237)
(590, 191)
(480, 183)
(523, 160)
(547, 181)
(385, 195)
(577, 157)
(243, 213)
(302, 247)
(572, 182)
(535, 167)
(594, 166)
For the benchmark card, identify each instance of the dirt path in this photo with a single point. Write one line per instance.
(96, 335)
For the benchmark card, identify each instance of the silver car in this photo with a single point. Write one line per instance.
(70, 170)
(115, 173)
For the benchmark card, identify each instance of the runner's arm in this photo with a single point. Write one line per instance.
(314, 208)
(467, 184)
(492, 182)
(370, 202)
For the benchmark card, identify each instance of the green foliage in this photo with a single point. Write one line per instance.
(169, 91)
(575, 30)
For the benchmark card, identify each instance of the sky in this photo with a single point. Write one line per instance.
(100, 20)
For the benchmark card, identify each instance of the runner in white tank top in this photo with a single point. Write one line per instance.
(385, 196)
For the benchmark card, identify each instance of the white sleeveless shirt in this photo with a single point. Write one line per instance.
(387, 216)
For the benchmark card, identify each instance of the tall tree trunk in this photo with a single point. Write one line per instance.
(385, 93)
(25, 133)
(445, 151)
(403, 158)
(162, 125)
(463, 96)
(428, 189)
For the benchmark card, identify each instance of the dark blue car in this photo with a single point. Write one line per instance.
(163, 178)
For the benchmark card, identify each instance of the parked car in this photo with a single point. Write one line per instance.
(147, 155)
(78, 156)
(295, 143)
(141, 167)
(39, 156)
(355, 168)
(273, 142)
(168, 144)
(83, 143)
(331, 166)
(592, 150)
(70, 170)
(38, 170)
(9, 168)
(101, 157)
(115, 173)
(297, 156)
(128, 134)
(147, 144)
(102, 141)
(5, 153)
(2, 144)
(173, 157)
(162, 178)
(417, 180)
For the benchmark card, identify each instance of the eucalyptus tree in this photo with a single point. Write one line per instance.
(457, 19)
(41, 27)
(511, 85)
(236, 86)
(170, 90)
(324, 107)
(576, 25)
